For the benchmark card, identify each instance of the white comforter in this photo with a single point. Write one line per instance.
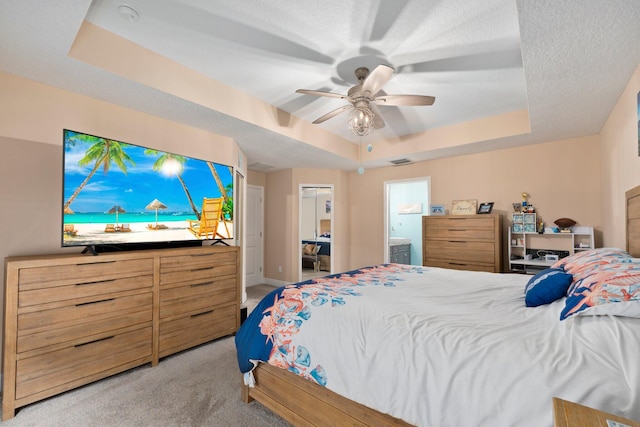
(456, 348)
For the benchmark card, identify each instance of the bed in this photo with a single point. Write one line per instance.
(425, 346)
(320, 259)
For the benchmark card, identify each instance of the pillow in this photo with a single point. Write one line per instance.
(317, 249)
(547, 286)
(309, 248)
(583, 263)
(612, 290)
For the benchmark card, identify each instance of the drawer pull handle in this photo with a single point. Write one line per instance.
(95, 302)
(457, 263)
(194, 255)
(457, 241)
(202, 314)
(94, 341)
(195, 285)
(202, 268)
(457, 229)
(97, 262)
(95, 282)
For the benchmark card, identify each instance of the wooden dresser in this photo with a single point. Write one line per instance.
(463, 242)
(74, 319)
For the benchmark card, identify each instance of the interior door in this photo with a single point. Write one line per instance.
(254, 236)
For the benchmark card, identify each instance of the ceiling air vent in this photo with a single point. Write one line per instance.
(259, 167)
(399, 162)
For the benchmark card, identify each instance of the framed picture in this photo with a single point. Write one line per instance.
(485, 208)
(517, 207)
(464, 207)
(436, 210)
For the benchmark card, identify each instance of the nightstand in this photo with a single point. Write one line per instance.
(569, 414)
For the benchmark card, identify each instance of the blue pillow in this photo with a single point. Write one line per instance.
(546, 287)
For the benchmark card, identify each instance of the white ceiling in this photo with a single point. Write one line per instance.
(566, 61)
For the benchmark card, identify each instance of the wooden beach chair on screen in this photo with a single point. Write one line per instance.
(110, 228)
(207, 226)
(70, 230)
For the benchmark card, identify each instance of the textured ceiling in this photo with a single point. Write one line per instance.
(566, 62)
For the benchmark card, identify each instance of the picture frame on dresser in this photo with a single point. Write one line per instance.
(485, 208)
(464, 207)
(436, 210)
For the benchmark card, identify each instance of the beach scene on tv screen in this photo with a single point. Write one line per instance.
(117, 193)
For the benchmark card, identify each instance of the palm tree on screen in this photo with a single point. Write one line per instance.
(174, 163)
(103, 152)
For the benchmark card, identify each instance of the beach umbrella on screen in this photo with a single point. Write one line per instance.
(68, 211)
(116, 209)
(156, 204)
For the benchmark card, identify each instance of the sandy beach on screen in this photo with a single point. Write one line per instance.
(176, 230)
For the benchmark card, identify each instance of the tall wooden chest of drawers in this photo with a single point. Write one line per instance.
(74, 319)
(462, 242)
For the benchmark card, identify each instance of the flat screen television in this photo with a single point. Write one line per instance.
(119, 196)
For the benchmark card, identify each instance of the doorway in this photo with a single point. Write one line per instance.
(406, 201)
(316, 230)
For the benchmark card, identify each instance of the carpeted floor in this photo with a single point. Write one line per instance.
(198, 387)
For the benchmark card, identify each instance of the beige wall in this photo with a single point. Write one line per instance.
(562, 177)
(33, 116)
(620, 162)
(282, 241)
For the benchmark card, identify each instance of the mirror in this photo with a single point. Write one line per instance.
(315, 231)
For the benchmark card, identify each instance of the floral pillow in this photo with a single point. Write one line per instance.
(613, 289)
(584, 263)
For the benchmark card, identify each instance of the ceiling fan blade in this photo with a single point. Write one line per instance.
(332, 113)
(498, 60)
(207, 21)
(386, 16)
(376, 79)
(322, 93)
(378, 121)
(402, 100)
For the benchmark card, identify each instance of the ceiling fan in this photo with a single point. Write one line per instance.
(365, 97)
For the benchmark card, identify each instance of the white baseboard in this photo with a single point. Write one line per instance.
(276, 283)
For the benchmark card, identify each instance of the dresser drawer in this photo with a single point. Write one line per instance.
(459, 251)
(50, 327)
(186, 331)
(196, 304)
(477, 228)
(81, 273)
(80, 359)
(461, 266)
(196, 275)
(197, 261)
(210, 288)
(49, 297)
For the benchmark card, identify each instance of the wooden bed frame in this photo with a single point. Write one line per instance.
(304, 403)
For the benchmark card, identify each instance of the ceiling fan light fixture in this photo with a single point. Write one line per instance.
(361, 121)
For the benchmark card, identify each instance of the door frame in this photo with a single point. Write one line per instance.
(387, 207)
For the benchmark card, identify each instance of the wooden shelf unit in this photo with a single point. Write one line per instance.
(74, 319)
